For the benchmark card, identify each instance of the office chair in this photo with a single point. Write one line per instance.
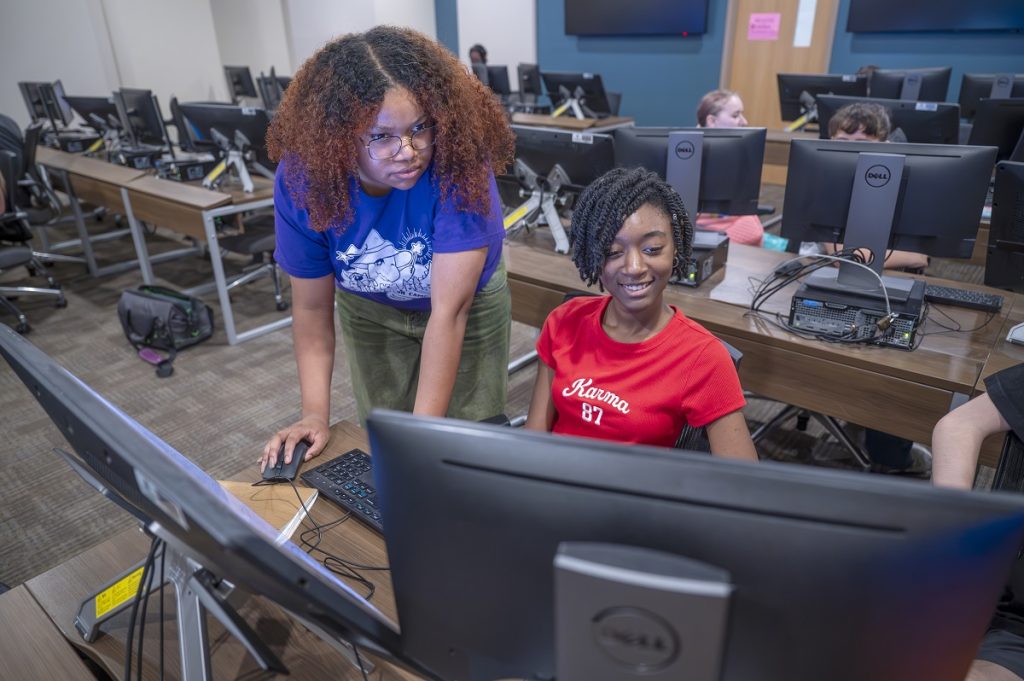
(256, 241)
(13, 228)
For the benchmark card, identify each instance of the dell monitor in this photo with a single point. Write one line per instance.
(99, 113)
(1000, 123)
(497, 79)
(529, 79)
(140, 117)
(921, 122)
(584, 88)
(240, 82)
(793, 85)
(187, 507)
(224, 127)
(724, 177)
(582, 157)
(517, 554)
(924, 198)
(926, 85)
(1004, 265)
(975, 86)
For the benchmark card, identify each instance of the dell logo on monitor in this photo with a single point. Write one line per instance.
(877, 176)
(684, 149)
(636, 638)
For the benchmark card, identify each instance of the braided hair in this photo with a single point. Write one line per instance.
(603, 208)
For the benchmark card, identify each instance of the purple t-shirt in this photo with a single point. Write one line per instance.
(386, 253)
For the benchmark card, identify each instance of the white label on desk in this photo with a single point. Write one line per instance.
(582, 138)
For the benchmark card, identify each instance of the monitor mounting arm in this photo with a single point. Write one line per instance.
(543, 196)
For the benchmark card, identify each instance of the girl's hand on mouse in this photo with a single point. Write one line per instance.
(313, 428)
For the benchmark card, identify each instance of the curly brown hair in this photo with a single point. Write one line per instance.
(336, 96)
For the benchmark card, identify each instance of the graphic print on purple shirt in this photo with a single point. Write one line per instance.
(386, 254)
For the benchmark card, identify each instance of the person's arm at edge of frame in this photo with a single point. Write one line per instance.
(729, 437)
(957, 438)
(983, 670)
(542, 408)
(313, 339)
(453, 285)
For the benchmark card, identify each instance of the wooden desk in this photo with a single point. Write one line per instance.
(32, 647)
(569, 122)
(190, 209)
(895, 391)
(93, 181)
(60, 591)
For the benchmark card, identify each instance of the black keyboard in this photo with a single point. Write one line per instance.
(348, 482)
(976, 300)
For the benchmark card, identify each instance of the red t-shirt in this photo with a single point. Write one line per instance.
(634, 392)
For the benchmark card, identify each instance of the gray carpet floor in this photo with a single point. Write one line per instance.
(218, 408)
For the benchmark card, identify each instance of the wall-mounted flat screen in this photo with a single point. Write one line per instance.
(636, 17)
(868, 16)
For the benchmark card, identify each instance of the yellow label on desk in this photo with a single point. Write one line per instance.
(118, 593)
(515, 216)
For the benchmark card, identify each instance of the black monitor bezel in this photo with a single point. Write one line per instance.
(998, 123)
(934, 83)
(594, 94)
(977, 86)
(791, 85)
(904, 114)
(582, 156)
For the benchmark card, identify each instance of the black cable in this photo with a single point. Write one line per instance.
(359, 661)
(163, 557)
(135, 610)
(142, 619)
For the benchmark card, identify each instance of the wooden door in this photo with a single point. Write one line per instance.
(749, 65)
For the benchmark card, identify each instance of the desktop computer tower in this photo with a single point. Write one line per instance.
(710, 251)
(855, 317)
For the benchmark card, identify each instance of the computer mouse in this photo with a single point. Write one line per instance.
(286, 472)
(1016, 334)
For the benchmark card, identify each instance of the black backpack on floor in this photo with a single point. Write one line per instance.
(158, 318)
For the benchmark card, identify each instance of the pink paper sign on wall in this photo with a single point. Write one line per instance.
(764, 26)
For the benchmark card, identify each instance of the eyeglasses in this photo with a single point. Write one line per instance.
(387, 147)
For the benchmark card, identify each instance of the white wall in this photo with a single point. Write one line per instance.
(313, 23)
(252, 33)
(43, 40)
(507, 30)
(167, 47)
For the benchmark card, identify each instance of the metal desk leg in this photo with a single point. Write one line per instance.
(219, 278)
(83, 233)
(138, 238)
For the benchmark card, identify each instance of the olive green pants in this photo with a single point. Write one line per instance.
(384, 345)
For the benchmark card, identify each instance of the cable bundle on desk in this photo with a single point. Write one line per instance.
(795, 269)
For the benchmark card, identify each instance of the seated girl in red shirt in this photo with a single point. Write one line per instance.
(627, 366)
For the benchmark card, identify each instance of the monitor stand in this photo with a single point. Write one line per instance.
(876, 188)
(911, 89)
(683, 161)
(1002, 86)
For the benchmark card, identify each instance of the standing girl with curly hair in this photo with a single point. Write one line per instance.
(628, 366)
(386, 204)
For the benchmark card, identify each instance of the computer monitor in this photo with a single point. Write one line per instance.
(829, 574)
(497, 79)
(55, 101)
(271, 89)
(587, 88)
(925, 198)
(174, 497)
(1000, 123)
(583, 157)
(529, 79)
(727, 178)
(921, 122)
(975, 86)
(98, 113)
(217, 126)
(793, 85)
(33, 101)
(140, 116)
(1004, 265)
(240, 82)
(926, 85)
